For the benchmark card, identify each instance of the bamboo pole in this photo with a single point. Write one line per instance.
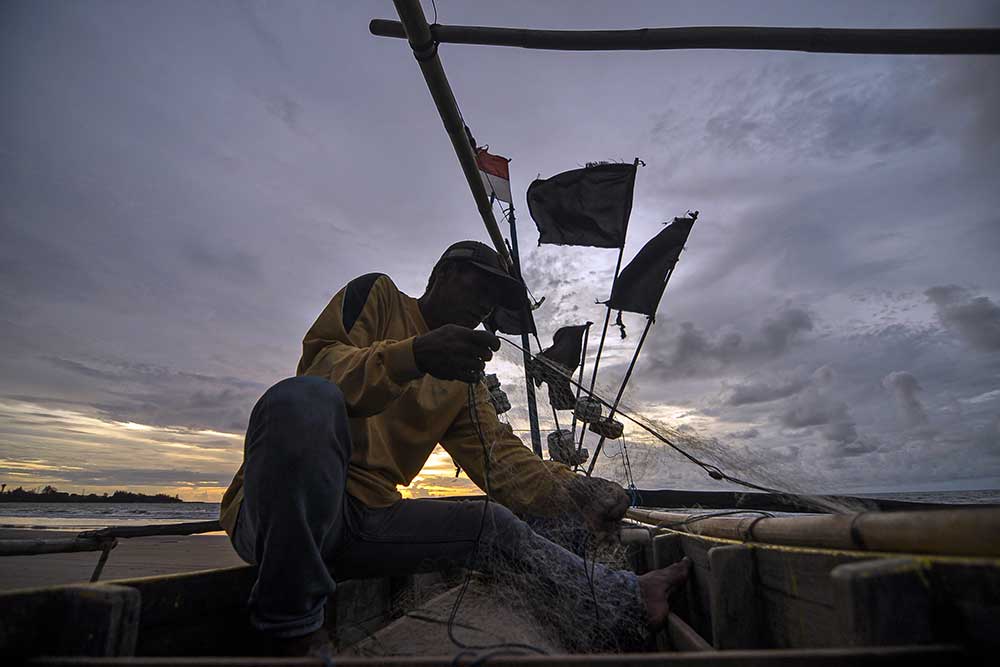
(424, 48)
(965, 532)
(911, 41)
(621, 390)
(188, 528)
(579, 380)
(35, 547)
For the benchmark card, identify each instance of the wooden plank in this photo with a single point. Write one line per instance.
(966, 603)
(883, 602)
(842, 657)
(683, 637)
(796, 597)
(196, 612)
(697, 589)
(666, 549)
(735, 604)
(358, 609)
(90, 620)
(793, 623)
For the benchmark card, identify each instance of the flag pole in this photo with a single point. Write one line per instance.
(628, 374)
(579, 381)
(607, 315)
(536, 436)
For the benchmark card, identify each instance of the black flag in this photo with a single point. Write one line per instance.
(563, 357)
(640, 284)
(587, 206)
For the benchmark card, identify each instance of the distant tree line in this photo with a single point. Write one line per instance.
(50, 494)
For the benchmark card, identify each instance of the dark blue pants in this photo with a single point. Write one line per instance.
(304, 532)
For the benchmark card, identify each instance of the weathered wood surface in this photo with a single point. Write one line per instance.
(484, 620)
(734, 598)
(852, 657)
(883, 602)
(785, 502)
(91, 620)
(683, 637)
(965, 532)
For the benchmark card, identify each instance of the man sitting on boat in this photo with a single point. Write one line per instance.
(382, 380)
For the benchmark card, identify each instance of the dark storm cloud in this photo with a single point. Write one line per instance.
(760, 392)
(159, 396)
(692, 352)
(904, 388)
(976, 320)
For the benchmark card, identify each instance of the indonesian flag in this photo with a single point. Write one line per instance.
(496, 177)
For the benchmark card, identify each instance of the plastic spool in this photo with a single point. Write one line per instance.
(608, 428)
(588, 409)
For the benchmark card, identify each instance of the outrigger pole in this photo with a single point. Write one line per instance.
(918, 41)
(413, 26)
(628, 373)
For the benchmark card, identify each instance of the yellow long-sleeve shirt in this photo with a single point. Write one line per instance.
(363, 341)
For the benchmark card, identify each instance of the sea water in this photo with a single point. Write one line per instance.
(91, 516)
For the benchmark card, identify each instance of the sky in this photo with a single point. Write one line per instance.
(184, 186)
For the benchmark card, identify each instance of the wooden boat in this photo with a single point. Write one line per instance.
(872, 587)
(868, 587)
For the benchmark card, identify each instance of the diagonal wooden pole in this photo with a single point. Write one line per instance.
(418, 33)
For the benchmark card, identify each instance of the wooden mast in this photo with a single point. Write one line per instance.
(813, 40)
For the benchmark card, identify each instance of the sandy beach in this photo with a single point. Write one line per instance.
(137, 557)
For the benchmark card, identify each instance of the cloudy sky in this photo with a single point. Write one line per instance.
(184, 185)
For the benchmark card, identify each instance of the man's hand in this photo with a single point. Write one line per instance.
(453, 352)
(601, 503)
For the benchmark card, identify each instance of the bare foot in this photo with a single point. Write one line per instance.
(656, 587)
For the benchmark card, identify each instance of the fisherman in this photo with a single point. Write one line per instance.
(382, 380)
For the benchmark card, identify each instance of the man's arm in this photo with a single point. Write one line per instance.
(344, 347)
(516, 477)
(497, 461)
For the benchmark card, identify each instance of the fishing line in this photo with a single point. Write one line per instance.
(713, 471)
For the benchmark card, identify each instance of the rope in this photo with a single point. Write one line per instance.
(713, 471)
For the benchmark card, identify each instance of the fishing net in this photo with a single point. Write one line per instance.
(579, 603)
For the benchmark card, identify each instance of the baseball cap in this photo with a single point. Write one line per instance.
(484, 257)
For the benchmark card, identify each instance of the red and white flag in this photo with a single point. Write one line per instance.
(496, 177)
